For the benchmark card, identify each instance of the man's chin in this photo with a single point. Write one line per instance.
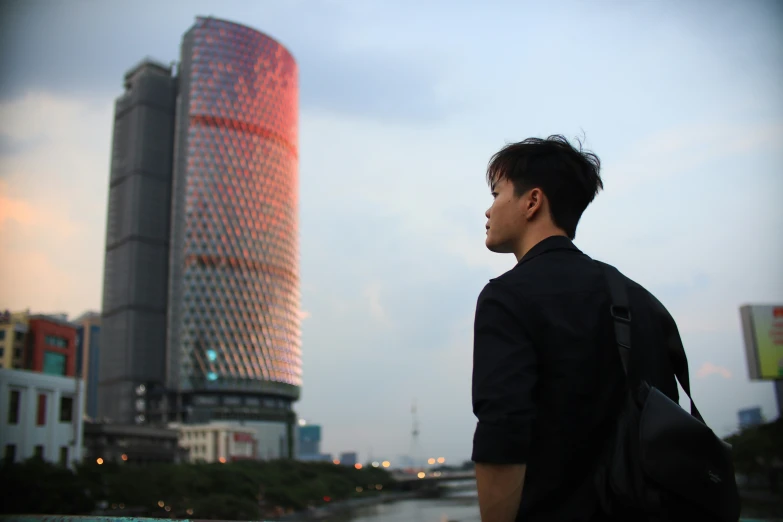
(495, 247)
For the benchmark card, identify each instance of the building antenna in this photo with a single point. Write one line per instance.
(414, 436)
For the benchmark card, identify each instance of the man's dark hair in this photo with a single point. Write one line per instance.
(568, 176)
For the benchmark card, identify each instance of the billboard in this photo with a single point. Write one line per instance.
(762, 326)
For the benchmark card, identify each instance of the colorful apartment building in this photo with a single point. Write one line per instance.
(13, 334)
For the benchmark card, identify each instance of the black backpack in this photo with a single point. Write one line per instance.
(663, 463)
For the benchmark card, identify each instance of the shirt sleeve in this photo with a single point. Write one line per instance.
(504, 379)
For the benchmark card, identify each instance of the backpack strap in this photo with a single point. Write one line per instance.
(620, 309)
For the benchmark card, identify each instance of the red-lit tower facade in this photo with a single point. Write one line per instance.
(233, 335)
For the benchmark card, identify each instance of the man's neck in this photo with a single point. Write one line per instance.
(535, 237)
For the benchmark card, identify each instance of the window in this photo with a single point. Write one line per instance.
(41, 421)
(2, 350)
(10, 453)
(18, 352)
(66, 409)
(13, 407)
(38, 452)
(57, 342)
(54, 363)
(63, 455)
(19, 336)
(2, 335)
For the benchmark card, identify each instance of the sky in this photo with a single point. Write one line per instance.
(401, 106)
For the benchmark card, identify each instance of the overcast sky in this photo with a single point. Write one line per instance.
(401, 107)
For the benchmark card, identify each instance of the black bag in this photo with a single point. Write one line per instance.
(663, 463)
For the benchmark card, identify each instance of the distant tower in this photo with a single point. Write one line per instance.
(413, 453)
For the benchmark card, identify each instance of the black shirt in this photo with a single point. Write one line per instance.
(547, 378)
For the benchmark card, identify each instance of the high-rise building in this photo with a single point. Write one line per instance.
(201, 299)
(309, 440)
(137, 243)
(88, 331)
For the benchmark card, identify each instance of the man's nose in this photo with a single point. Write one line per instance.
(487, 212)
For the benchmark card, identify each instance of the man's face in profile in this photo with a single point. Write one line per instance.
(505, 219)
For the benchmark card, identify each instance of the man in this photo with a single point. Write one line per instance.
(547, 379)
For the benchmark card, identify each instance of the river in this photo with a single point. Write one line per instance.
(459, 506)
(439, 510)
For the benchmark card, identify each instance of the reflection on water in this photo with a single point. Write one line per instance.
(463, 509)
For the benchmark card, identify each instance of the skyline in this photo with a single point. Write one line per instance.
(395, 134)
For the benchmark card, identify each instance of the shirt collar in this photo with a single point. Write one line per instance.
(547, 245)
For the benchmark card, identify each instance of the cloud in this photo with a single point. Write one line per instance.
(31, 218)
(53, 179)
(680, 150)
(708, 369)
(372, 293)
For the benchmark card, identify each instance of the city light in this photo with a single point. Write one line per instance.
(357, 466)
(222, 460)
(375, 464)
(189, 511)
(161, 503)
(122, 506)
(124, 457)
(302, 422)
(99, 461)
(167, 508)
(327, 499)
(378, 487)
(336, 461)
(431, 461)
(359, 489)
(421, 474)
(441, 460)
(386, 463)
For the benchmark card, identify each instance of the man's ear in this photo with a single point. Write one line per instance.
(533, 202)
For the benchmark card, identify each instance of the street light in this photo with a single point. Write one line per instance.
(421, 475)
(99, 461)
(386, 463)
(431, 461)
(441, 460)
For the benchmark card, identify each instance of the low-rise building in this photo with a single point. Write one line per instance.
(40, 416)
(349, 458)
(51, 345)
(13, 336)
(131, 444)
(217, 442)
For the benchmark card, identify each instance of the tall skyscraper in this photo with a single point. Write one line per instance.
(222, 336)
(137, 243)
